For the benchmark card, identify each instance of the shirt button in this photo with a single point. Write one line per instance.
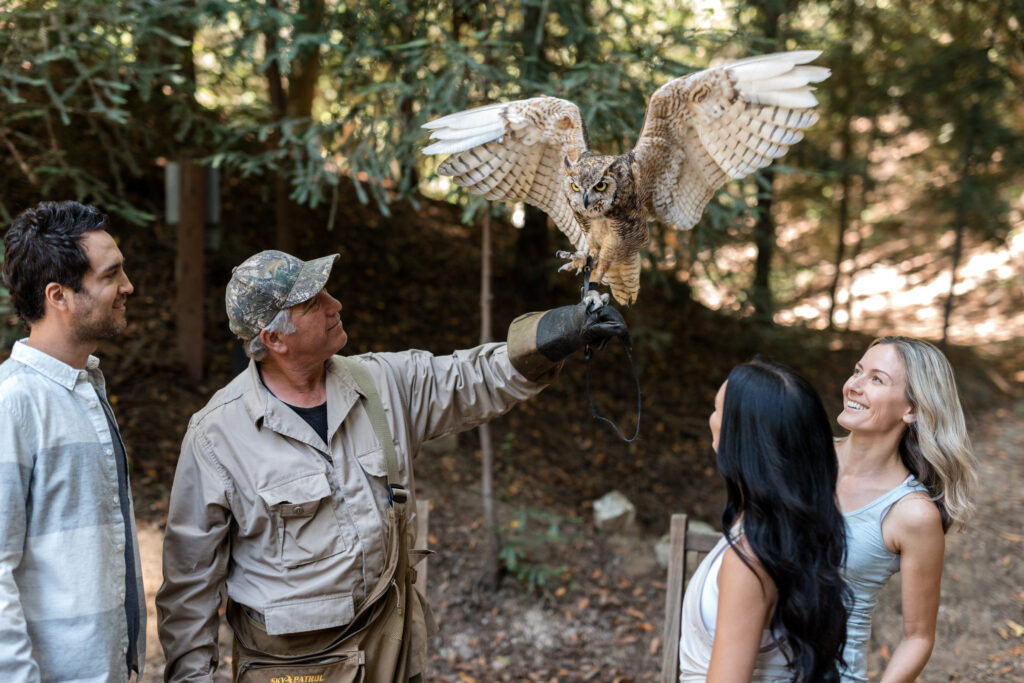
(124, 649)
(109, 451)
(297, 510)
(82, 374)
(120, 547)
(92, 404)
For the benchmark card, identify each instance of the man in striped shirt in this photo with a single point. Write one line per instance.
(71, 600)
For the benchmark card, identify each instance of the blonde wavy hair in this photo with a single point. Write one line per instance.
(936, 446)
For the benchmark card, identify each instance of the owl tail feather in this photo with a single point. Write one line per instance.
(623, 277)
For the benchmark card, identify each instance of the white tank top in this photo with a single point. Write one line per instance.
(697, 630)
(709, 603)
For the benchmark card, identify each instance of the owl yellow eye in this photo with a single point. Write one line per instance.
(575, 187)
(601, 186)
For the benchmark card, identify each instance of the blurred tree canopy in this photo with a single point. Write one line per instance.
(920, 132)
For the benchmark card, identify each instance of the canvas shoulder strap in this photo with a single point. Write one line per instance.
(375, 410)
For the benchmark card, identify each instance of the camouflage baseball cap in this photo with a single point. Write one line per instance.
(269, 282)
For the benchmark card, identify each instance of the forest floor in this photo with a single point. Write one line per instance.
(573, 605)
(597, 608)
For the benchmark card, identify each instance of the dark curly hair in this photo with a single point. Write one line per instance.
(777, 457)
(44, 245)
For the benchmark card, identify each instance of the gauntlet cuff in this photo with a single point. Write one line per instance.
(523, 351)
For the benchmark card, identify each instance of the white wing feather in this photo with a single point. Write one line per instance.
(513, 151)
(723, 122)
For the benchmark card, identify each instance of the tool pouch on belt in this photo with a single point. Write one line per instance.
(386, 641)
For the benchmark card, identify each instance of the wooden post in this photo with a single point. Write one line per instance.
(673, 600)
(191, 243)
(422, 541)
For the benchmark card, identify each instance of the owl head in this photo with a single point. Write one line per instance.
(594, 184)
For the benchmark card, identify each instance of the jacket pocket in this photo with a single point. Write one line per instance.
(373, 463)
(308, 529)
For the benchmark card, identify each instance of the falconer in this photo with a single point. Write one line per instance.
(292, 484)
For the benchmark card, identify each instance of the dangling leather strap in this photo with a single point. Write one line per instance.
(375, 410)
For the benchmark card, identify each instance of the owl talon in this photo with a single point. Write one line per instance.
(569, 266)
(595, 300)
(576, 260)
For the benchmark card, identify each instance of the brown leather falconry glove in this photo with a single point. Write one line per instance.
(539, 342)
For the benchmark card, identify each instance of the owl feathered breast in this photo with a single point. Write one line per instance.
(699, 131)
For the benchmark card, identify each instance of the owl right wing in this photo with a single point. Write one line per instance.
(514, 152)
(727, 122)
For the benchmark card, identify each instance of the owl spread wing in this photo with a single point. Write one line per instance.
(726, 122)
(514, 152)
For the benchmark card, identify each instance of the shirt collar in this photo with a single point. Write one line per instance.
(342, 391)
(48, 366)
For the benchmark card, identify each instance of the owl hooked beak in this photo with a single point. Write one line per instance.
(586, 199)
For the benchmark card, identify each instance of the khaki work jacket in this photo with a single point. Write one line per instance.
(293, 527)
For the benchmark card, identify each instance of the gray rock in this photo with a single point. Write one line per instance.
(614, 514)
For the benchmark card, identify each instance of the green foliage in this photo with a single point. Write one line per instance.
(71, 72)
(325, 92)
(530, 533)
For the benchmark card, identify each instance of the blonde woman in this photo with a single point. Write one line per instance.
(906, 470)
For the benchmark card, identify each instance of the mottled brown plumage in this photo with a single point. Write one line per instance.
(699, 131)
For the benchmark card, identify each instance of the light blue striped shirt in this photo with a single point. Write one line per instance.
(62, 538)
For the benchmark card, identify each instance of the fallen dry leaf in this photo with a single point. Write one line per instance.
(1017, 629)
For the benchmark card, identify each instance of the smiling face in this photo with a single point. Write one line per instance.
(319, 333)
(98, 310)
(875, 395)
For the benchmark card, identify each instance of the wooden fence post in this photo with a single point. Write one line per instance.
(191, 244)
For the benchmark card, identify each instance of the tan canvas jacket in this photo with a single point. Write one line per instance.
(292, 527)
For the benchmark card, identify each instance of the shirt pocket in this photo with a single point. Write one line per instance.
(373, 463)
(308, 528)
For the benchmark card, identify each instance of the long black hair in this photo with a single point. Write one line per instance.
(776, 454)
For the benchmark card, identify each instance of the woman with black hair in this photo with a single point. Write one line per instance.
(768, 604)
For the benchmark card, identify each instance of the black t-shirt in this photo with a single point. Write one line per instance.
(315, 417)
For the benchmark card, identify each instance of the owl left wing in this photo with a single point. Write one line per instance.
(726, 122)
(514, 152)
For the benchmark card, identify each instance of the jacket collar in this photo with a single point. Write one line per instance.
(50, 367)
(266, 410)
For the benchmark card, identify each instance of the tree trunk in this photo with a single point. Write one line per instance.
(842, 221)
(845, 152)
(305, 68)
(493, 544)
(764, 230)
(764, 239)
(294, 102)
(961, 217)
(533, 252)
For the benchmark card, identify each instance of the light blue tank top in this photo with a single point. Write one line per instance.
(869, 565)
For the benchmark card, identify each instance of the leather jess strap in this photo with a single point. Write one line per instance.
(375, 410)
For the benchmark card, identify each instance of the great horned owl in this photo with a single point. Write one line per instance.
(699, 131)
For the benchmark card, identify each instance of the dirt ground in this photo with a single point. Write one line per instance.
(599, 612)
(981, 617)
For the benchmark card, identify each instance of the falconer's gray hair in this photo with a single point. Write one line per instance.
(282, 324)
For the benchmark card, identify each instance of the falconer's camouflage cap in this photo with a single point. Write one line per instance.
(269, 282)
